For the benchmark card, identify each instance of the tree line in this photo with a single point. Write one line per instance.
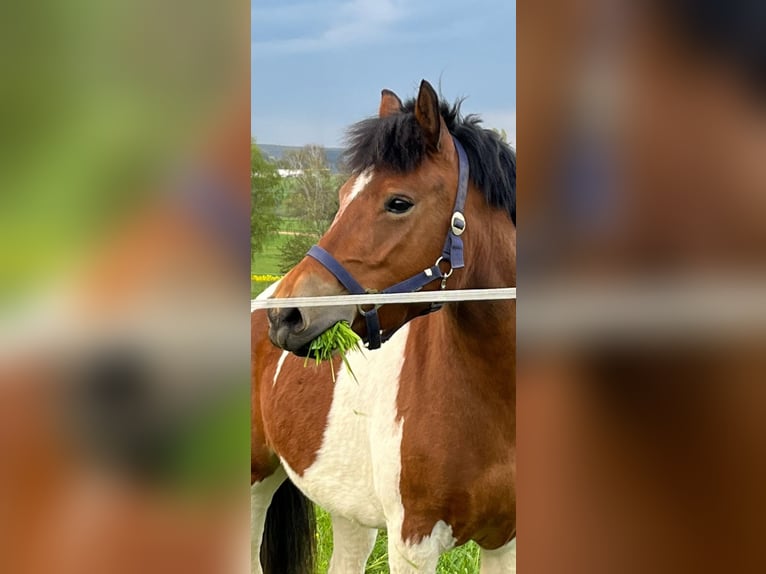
(307, 198)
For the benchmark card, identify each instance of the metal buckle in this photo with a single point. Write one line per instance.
(457, 216)
(446, 275)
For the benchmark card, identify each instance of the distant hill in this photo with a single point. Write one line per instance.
(276, 152)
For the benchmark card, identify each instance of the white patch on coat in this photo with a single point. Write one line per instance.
(360, 183)
(357, 470)
(280, 362)
(349, 478)
(422, 556)
(500, 561)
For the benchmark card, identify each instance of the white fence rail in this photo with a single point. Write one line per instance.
(650, 310)
(388, 298)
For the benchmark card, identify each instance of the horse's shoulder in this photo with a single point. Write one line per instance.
(259, 326)
(261, 347)
(263, 461)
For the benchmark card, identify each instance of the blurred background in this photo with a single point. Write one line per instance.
(642, 314)
(124, 331)
(124, 341)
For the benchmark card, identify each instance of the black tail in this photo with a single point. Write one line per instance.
(289, 538)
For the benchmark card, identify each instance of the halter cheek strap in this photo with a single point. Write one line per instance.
(451, 253)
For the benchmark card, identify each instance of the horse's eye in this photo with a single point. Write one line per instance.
(398, 205)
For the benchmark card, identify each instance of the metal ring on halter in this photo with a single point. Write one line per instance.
(446, 275)
(449, 273)
(375, 307)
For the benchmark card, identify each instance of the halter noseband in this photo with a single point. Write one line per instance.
(452, 253)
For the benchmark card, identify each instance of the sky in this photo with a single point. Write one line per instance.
(319, 65)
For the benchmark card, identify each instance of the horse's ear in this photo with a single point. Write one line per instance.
(427, 114)
(389, 104)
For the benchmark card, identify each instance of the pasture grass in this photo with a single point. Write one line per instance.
(257, 287)
(462, 560)
(266, 263)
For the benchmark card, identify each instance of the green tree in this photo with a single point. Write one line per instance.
(311, 197)
(294, 249)
(265, 195)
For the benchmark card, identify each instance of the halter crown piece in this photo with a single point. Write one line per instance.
(452, 253)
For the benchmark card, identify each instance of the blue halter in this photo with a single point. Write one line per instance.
(452, 253)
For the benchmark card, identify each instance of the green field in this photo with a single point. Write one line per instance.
(266, 263)
(463, 560)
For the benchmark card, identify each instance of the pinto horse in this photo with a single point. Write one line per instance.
(421, 439)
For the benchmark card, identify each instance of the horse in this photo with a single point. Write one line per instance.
(419, 436)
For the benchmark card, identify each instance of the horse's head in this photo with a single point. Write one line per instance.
(395, 212)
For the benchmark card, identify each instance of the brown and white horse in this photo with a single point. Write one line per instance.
(422, 441)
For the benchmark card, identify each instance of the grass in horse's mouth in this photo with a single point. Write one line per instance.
(339, 338)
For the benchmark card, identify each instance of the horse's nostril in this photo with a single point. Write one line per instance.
(293, 319)
(290, 318)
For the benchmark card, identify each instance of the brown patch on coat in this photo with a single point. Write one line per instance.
(457, 398)
(289, 417)
(263, 461)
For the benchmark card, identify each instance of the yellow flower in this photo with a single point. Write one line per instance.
(265, 278)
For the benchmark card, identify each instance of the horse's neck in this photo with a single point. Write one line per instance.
(486, 329)
(490, 247)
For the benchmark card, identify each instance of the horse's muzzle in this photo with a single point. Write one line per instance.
(293, 329)
(286, 325)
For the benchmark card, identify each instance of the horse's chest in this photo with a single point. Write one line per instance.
(355, 471)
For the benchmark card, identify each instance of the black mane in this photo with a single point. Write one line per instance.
(396, 142)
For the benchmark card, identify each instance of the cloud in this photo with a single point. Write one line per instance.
(290, 12)
(356, 22)
(363, 20)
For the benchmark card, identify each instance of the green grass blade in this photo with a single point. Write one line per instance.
(340, 339)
